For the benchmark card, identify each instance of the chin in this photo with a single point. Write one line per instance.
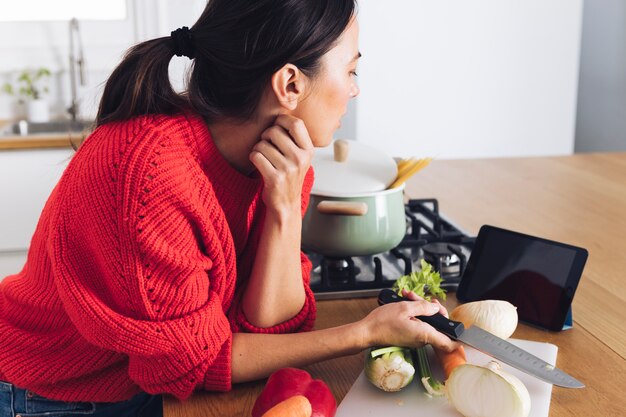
(323, 142)
(322, 138)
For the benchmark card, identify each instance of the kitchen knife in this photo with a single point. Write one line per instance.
(491, 345)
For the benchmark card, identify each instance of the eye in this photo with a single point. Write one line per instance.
(354, 73)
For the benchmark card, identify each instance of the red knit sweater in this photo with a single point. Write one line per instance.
(136, 269)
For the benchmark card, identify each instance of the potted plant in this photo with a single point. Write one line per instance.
(32, 86)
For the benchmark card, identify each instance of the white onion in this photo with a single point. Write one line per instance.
(495, 316)
(477, 391)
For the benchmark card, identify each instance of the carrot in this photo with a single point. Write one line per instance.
(296, 406)
(450, 360)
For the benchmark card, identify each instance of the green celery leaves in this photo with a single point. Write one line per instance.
(426, 283)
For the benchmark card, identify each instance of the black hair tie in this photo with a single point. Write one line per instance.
(183, 46)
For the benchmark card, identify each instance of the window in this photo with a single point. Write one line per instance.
(46, 10)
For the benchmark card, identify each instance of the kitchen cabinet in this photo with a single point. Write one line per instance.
(26, 179)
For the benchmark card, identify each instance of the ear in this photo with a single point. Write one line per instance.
(288, 84)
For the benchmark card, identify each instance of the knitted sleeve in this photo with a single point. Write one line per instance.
(140, 265)
(305, 319)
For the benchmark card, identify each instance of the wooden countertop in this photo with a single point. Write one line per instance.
(577, 199)
(40, 141)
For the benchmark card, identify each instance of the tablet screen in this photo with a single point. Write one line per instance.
(536, 275)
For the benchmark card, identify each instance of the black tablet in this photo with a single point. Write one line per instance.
(536, 275)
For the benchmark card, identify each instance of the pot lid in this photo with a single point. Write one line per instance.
(349, 168)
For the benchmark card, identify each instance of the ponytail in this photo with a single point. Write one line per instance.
(140, 84)
(236, 46)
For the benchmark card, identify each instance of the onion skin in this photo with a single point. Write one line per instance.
(477, 391)
(495, 316)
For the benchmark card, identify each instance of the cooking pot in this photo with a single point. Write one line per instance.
(351, 212)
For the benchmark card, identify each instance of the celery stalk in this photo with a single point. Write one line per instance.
(434, 388)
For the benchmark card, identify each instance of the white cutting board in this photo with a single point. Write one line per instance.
(364, 399)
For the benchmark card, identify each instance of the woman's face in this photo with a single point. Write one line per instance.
(332, 88)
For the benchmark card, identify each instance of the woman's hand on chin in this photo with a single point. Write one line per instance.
(283, 157)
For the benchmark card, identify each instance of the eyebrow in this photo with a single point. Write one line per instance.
(357, 56)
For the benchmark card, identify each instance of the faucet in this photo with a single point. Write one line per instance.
(76, 63)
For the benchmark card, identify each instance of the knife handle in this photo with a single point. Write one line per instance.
(452, 329)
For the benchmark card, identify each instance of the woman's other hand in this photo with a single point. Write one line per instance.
(283, 157)
(395, 325)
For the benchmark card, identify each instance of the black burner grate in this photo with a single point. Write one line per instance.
(365, 275)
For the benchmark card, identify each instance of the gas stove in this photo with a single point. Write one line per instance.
(429, 236)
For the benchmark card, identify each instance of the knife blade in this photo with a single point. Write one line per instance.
(491, 345)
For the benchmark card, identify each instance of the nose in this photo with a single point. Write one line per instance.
(355, 90)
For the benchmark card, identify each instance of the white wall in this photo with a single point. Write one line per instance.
(451, 79)
(601, 120)
(460, 78)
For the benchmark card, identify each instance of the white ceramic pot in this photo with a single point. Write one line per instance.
(38, 110)
(351, 211)
(354, 226)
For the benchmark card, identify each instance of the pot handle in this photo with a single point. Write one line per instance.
(345, 208)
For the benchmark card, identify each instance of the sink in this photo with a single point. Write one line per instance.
(24, 128)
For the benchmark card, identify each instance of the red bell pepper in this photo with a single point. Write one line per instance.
(288, 382)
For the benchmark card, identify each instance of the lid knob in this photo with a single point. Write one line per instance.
(341, 148)
(364, 171)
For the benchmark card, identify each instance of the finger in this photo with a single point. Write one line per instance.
(280, 138)
(296, 159)
(272, 154)
(430, 335)
(442, 309)
(262, 164)
(419, 308)
(297, 130)
(442, 342)
(411, 295)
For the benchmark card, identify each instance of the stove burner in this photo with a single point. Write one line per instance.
(441, 257)
(337, 264)
(340, 271)
(429, 236)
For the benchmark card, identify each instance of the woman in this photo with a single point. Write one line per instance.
(167, 257)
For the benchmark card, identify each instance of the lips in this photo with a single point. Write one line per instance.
(340, 118)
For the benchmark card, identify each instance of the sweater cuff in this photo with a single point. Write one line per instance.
(218, 375)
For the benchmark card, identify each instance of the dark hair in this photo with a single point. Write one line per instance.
(238, 45)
